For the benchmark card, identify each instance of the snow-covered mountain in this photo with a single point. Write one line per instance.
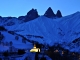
(31, 15)
(50, 31)
(13, 39)
(9, 21)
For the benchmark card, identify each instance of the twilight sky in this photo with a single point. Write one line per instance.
(21, 7)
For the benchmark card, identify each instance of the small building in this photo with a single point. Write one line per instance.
(34, 49)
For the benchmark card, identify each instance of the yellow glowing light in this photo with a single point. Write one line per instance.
(56, 51)
(35, 49)
(62, 52)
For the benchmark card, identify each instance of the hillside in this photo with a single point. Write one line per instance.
(61, 30)
(49, 34)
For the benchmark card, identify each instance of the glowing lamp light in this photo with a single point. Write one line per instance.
(62, 52)
(35, 50)
(56, 51)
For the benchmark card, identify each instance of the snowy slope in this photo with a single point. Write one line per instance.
(3, 48)
(18, 44)
(65, 29)
(41, 26)
(60, 30)
(9, 21)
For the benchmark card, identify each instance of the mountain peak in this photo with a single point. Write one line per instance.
(76, 12)
(49, 13)
(32, 14)
(58, 14)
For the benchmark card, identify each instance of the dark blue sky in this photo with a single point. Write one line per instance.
(21, 7)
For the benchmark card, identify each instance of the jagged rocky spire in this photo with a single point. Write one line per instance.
(32, 14)
(58, 14)
(49, 13)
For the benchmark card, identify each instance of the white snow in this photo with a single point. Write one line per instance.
(3, 48)
(16, 43)
(60, 30)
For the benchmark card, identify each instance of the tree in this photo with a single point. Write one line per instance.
(6, 44)
(0, 33)
(0, 58)
(11, 46)
(11, 43)
(2, 28)
(24, 40)
(16, 37)
(1, 36)
(43, 58)
(11, 32)
(49, 13)
(5, 53)
(36, 56)
(21, 51)
(58, 14)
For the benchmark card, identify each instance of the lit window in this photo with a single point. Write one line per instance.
(56, 51)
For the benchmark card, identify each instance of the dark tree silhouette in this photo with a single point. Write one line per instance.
(11, 46)
(17, 37)
(58, 14)
(11, 43)
(21, 51)
(49, 13)
(1, 36)
(0, 58)
(43, 58)
(2, 28)
(36, 56)
(11, 32)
